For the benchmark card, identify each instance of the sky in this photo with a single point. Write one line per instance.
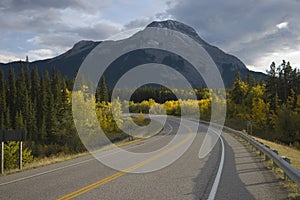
(256, 31)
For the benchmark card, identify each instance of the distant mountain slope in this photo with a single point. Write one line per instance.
(228, 64)
(69, 62)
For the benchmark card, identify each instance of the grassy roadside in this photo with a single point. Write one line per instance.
(291, 153)
(45, 161)
(41, 162)
(286, 151)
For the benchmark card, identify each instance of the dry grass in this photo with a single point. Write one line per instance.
(40, 162)
(46, 161)
(292, 188)
(286, 151)
(293, 154)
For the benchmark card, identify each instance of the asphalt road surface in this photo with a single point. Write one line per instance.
(230, 171)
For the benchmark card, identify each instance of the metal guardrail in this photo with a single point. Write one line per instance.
(280, 162)
(289, 171)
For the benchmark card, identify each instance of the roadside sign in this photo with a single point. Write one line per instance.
(12, 135)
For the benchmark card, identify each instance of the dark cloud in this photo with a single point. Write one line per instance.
(55, 24)
(25, 5)
(245, 28)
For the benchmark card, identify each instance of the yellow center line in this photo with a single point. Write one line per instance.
(121, 173)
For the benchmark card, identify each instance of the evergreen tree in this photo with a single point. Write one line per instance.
(98, 95)
(250, 81)
(22, 94)
(35, 85)
(28, 78)
(19, 121)
(51, 120)
(7, 120)
(103, 90)
(56, 86)
(31, 124)
(239, 90)
(12, 96)
(3, 107)
(272, 86)
(42, 108)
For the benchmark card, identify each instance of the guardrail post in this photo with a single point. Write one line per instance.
(1, 157)
(288, 161)
(275, 151)
(266, 158)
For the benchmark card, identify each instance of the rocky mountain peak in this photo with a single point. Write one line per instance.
(178, 26)
(82, 44)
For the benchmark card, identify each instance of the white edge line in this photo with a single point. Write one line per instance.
(214, 188)
(46, 172)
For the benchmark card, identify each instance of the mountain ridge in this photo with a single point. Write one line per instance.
(69, 62)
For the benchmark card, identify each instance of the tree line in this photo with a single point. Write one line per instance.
(272, 106)
(41, 105)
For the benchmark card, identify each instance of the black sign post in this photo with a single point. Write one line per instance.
(12, 135)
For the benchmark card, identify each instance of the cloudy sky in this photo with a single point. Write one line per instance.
(256, 31)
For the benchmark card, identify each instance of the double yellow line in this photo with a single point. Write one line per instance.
(121, 173)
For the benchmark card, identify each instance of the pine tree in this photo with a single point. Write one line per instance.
(31, 123)
(22, 94)
(98, 95)
(51, 120)
(28, 79)
(56, 86)
(19, 121)
(250, 80)
(7, 120)
(103, 90)
(239, 90)
(42, 108)
(12, 96)
(3, 107)
(272, 86)
(2, 122)
(35, 85)
(42, 132)
(290, 102)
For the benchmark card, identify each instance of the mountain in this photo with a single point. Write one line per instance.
(69, 62)
(228, 64)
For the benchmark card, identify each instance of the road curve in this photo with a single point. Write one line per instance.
(241, 174)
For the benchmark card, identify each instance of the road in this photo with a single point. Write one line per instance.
(238, 174)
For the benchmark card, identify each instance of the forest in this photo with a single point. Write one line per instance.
(41, 105)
